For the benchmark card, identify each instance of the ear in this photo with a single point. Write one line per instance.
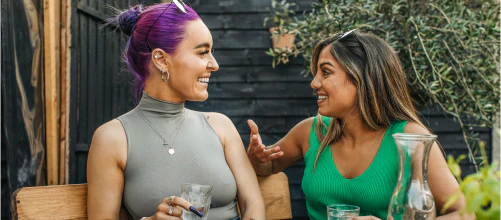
(159, 58)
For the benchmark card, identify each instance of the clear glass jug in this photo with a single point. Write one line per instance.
(412, 198)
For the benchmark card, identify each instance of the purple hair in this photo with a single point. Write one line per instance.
(167, 32)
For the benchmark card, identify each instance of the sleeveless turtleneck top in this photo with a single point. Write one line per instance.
(152, 174)
(371, 191)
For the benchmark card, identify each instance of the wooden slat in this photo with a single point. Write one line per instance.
(52, 22)
(100, 76)
(249, 74)
(237, 6)
(83, 74)
(70, 201)
(92, 82)
(108, 77)
(89, 11)
(275, 191)
(275, 125)
(242, 39)
(115, 70)
(65, 91)
(259, 107)
(251, 57)
(53, 202)
(73, 89)
(238, 21)
(261, 90)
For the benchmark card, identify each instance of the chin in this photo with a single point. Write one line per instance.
(324, 112)
(200, 98)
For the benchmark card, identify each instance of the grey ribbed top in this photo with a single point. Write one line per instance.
(152, 174)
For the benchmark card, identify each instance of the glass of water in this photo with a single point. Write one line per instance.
(342, 211)
(199, 196)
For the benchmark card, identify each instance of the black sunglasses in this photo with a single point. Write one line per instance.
(179, 3)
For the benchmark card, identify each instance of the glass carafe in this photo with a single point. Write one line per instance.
(412, 198)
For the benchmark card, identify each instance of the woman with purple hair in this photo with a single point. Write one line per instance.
(141, 158)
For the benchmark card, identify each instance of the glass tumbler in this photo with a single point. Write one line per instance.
(342, 211)
(199, 196)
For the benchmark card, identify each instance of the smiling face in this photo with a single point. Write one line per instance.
(192, 63)
(336, 93)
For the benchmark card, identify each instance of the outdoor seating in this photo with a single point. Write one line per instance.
(70, 201)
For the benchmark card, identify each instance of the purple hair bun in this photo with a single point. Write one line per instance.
(128, 19)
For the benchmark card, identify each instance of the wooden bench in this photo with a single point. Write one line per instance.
(70, 201)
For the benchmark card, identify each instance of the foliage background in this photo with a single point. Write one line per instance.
(449, 48)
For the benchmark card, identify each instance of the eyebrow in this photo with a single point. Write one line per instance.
(326, 63)
(202, 45)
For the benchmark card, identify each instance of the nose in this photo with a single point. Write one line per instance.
(315, 82)
(213, 65)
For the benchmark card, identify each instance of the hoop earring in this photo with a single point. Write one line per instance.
(168, 76)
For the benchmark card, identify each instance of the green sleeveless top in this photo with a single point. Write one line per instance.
(371, 191)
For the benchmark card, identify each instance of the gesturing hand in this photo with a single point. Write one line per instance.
(257, 151)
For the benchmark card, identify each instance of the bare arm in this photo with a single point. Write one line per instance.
(249, 196)
(286, 152)
(442, 183)
(105, 163)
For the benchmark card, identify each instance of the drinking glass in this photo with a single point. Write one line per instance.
(342, 211)
(199, 196)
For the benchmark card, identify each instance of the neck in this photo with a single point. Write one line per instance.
(161, 90)
(355, 130)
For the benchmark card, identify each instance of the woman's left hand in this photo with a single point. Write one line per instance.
(365, 218)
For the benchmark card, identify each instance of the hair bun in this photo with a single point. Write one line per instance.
(127, 19)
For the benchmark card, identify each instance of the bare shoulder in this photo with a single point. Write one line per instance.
(305, 125)
(110, 141)
(217, 119)
(300, 133)
(223, 126)
(413, 127)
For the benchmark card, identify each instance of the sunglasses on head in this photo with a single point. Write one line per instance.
(347, 33)
(179, 4)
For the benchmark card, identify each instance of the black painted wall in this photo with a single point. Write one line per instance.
(245, 87)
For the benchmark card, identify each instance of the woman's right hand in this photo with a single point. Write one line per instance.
(171, 209)
(257, 152)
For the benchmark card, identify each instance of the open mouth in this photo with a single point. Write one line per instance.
(203, 80)
(321, 98)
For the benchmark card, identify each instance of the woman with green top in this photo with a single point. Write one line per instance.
(348, 149)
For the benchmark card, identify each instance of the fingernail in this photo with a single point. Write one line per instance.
(192, 209)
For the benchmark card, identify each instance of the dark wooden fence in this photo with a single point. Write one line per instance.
(245, 87)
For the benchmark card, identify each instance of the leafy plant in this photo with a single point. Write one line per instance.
(481, 189)
(281, 13)
(450, 49)
(281, 55)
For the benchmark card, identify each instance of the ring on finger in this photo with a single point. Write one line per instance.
(171, 209)
(168, 201)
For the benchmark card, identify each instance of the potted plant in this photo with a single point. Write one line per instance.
(280, 17)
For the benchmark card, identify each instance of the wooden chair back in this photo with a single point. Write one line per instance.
(62, 202)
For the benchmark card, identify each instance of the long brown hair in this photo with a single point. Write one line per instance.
(375, 70)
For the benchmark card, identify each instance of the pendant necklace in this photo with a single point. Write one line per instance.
(171, 150)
